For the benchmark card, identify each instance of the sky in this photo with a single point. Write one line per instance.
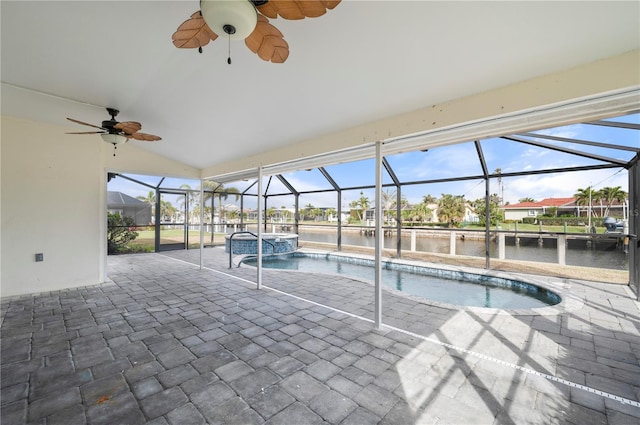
(448, 162)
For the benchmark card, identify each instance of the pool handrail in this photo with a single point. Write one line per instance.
(273, 247)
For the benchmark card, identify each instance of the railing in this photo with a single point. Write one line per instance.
(273, 247)
(411, 240)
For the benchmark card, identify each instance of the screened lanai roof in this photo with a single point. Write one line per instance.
(612, 144)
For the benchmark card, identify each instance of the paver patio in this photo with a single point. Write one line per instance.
(168, 343)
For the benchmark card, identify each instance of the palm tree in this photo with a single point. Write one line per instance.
(189, 200)
(233, 214)
(285, 213)
(428, 199)
(270, 212)
(495, 212)
(212, 188)
(167, 211)
(330, 212)
(389, 200)
(360, 205)
(196, 212)
(308, 211)
(498, 171)
(390, 203)
(420, 212)
(522, 200)
(597, 196)
(317, 212)
(610, 195)
(585, 197)
(151, 200)
(451, 208)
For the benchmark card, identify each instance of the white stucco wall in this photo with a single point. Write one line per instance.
(53, 201)
(516, 214)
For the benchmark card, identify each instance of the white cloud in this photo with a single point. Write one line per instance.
(532, 153)
(442, 162)
(568, 132)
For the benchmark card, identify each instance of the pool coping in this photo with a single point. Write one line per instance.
(561, 286)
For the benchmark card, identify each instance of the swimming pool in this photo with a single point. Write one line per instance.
(440, 285)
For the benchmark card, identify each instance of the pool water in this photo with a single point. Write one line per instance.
(465, 290)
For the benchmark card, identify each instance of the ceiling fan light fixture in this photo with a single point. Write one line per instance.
(114, 139)
(237, 18)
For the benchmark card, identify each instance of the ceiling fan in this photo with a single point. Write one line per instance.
(115, 132)
(247, 20)
(124, 130)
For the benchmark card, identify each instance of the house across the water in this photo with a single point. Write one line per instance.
(127, 206)
(561, 206)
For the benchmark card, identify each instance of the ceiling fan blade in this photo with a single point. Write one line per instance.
(268, 42)
(128, 127)
(87, 132)
(86, 123)
(297, 9)
(193, 33)
(144, 137)
(331, 4)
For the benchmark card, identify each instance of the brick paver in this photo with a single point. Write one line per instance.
(168, 343)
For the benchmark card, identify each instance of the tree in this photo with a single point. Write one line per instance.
(196, 212)
(360, 206)
(330, 212)
(451, 209)
(213, 189)
(611, 194)
(498, 171)
(428, 199)
(389, 201)
(390, 204)
(551, 212)
(308, 212)
(586, 196)
(521, 200)
(285, 213)
(189, 201)
(119, 232)
(495, 212)
(418, 213)
(167, 211)
(151, 200)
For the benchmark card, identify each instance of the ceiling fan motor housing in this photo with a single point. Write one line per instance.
(109, 124)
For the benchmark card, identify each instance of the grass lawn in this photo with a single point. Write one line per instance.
(145, 241)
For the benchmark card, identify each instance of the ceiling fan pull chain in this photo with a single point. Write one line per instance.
(114, 149)
(229, 58)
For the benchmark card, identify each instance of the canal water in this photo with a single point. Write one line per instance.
(604, 256)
